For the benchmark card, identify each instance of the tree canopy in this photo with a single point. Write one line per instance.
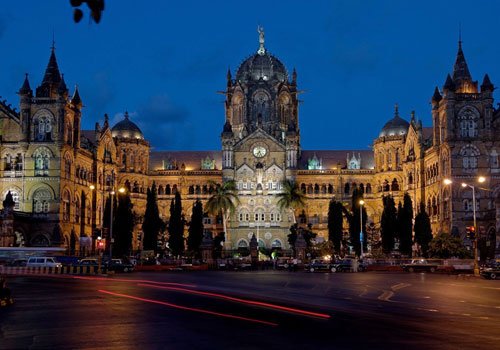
(152, 223)
(291, 197)
(423, 230)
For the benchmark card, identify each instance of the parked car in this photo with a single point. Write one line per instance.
(118, 265)
(67, 260)
(492, 272)
(420, 265)
(42, 261)
(320, 265)
(347, 265)
(17, 263)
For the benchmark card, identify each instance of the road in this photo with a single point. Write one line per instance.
(252, 310)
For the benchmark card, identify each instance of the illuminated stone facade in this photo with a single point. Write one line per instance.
(50, 165)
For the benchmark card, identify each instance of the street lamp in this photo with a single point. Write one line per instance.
(448, 182)
(361, 202)
(480, 179)
(120, 190)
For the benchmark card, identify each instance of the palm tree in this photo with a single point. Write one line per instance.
(223, 202)
(291, 197)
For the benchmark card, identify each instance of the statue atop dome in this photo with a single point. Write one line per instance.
(262, 50)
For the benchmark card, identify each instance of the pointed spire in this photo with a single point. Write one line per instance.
(437, 95)
(62, 89)
(106, 121)
(449, 84)
(487, 85)
(76, 100)
(26, 89)
(52, 75)
(228, 76)
(412, 119)
(294, 76)
(460, 69)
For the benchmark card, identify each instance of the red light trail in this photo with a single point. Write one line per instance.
(244, 301)
(188, 308)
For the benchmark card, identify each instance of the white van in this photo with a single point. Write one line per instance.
(42, 261)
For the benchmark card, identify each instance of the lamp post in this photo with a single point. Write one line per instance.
(448, 182)
(481, 179)
(120, 190)
(361, 202)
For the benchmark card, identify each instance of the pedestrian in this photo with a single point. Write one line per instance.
(355, 265)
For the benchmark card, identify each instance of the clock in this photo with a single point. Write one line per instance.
(259, 151)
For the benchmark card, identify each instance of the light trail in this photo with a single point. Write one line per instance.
(132, 280)
(243, 301)
(188, 308)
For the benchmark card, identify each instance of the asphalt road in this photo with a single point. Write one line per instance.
(252, 310)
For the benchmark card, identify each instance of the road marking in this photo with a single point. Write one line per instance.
(400, 286)
(386, 295)
(430, 310)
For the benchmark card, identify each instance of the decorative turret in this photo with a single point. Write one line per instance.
(487, 85)
(436, 97)
(294, 77)
(26, 89)
(448, 84)
(76, 100)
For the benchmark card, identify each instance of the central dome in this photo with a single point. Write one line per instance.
(127, 129)
(261, 66)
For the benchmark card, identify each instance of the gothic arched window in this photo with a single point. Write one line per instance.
(470, 154)
(41, 199)
(468, 118)
(42, 157)
(42, 126)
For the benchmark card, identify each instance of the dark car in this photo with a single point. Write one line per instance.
(347, 265)
(420, 265)
(67, 260)
(492, 272)
(17, 263)
(319, 265)
(118, 265)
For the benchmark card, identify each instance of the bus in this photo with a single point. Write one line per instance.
(11, 253)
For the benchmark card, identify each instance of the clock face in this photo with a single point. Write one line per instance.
(259, 151)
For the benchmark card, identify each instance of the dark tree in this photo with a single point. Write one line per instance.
(123, 226)
(445, 246)
(388, 224)
(306, 233)
(218, 242)
(335, 224)
(405, 225)
(196, 228)
(176, 226)
(152, 223)
(354, 219)
(423, 230)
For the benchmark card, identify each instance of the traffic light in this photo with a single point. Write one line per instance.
(101, 243)
(470, 232)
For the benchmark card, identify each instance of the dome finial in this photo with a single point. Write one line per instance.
(126, 115)
(262, 50)
(396, 110)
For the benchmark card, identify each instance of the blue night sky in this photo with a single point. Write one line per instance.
(164, 63)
